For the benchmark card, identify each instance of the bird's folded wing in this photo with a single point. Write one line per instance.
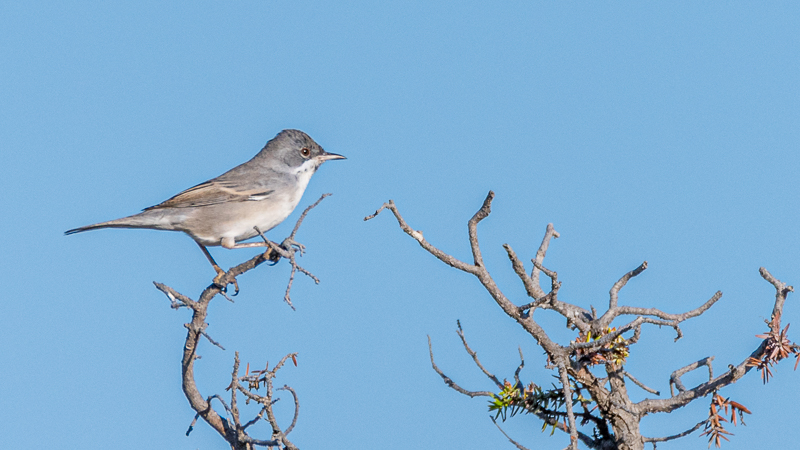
(211, 193)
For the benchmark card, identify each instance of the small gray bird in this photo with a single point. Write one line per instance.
(226, 210)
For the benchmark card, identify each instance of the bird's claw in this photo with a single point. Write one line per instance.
(223, 287)
(290, 245)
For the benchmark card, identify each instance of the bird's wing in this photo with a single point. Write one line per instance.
(212, 192)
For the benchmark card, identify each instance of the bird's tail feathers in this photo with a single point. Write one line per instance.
(135, 221)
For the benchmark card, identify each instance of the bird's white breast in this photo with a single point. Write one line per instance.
(272, 210)
(303, 174)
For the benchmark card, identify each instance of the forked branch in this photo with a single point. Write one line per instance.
(231, 428)
(597, 343)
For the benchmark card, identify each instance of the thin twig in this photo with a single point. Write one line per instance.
(675, 378)
(516, 444)
(674, 436)
(452, 384)
(640, 384)
(549, 233)
(417, 235)
(474, 356)
(215, 343)
(519, 367)
(614, 292)
(567, 390)
(305, 213)
(296, 408)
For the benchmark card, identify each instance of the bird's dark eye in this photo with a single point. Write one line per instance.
(305, 152)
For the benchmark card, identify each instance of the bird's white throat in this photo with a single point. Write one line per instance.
(303, 174)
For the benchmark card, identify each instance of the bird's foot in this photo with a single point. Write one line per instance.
(290, 245)
(274, 258)
(222, 282)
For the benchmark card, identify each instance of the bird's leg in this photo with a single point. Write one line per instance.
(277, 251)
(247, 245)
(210, 258)
(218, 269)
(231, 244)
(290, 244)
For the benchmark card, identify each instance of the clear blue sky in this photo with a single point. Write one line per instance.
(666, 133)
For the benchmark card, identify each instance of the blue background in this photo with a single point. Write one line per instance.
(644, 131)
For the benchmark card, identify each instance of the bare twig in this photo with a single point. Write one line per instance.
(781, 291)
(640, 384)
(305, 213)
(549, 233)
(534, 290)
(565, 385)
(674, 436)
(255, 419)
(472, 227)
(452, 384)
(474, 356)
(519, 367)
(671, 319)
(614, 293)
(608, 338)
(177, 300)
(215, 343)
(296, 407)
(516, 444)
(675, 378)
(417, 235)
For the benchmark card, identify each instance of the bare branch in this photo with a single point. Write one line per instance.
(534, 290)
(614, 293)
(452, 384)
(674, 436)
(305, 213)
(616, 409)
(288, 250)
(671, 320)
(474, 356)
(230, 428)
(472, 226)
(234, 411)
(781, 291)
(296, 407)
(637, 332)
(640, 384)
(549, 233)
(631, 310)
(417, 235)
(731, 376)
(608, 338)
(215, 343)
(519, 367)
(575, 315)
(675, 378)
(573, 428)
(176, 299)
(516, 444)
(479, 271)
(255, 419)
(550, 274)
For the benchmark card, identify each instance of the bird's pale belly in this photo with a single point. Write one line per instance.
(209, 225)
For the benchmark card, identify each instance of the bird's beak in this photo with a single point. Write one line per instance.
(326, 156)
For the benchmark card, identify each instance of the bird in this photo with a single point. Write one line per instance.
(246, 201)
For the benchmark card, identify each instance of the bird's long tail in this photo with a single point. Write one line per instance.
(141, 220)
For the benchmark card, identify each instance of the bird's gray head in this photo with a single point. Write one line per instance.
(293, 151)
